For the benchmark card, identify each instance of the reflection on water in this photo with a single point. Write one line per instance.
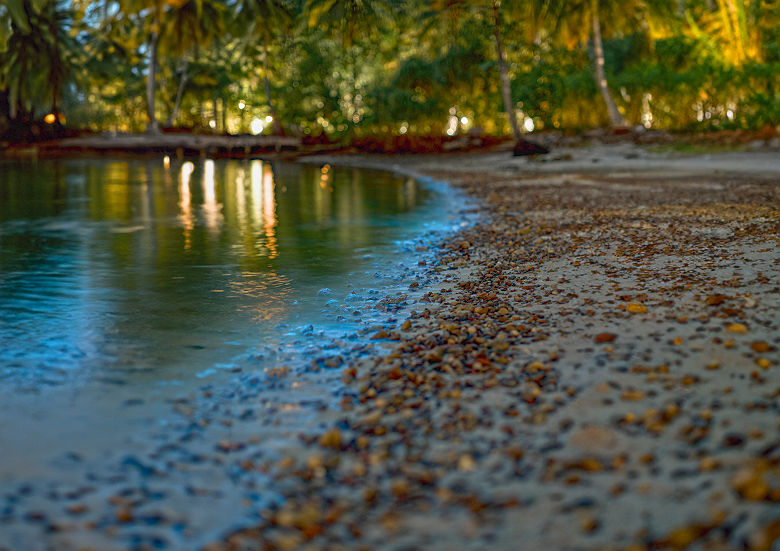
(152, 270)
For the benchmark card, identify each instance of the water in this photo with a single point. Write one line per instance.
(145, 309)
(145, 272)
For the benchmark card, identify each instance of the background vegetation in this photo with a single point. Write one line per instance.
(363, 67)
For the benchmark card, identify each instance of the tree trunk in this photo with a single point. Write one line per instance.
(506, 88)
(179, 93)
(278, 128)
(152, 126)
(615, 118)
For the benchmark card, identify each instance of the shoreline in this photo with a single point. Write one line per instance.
(181, 457)
(599, 371)
(502, 412)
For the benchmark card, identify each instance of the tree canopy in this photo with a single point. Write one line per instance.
(359, 67)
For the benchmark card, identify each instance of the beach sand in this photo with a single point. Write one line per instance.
(593, 364)
(597, 368)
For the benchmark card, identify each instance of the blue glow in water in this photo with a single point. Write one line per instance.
(135, 272)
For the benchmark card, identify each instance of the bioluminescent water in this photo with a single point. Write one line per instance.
(158, 272)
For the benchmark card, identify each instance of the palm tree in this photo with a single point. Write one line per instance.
(175, 26)
(264, 19)
(616, 119)
(351, 21)
(150, 16)
(189, 25)
(531, 12)
(36, 53)
(735, 26)
(581, 20)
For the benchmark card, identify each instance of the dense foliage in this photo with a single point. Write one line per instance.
(345, 67)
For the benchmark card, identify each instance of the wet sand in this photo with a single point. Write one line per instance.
(596, 369)
(593, 365)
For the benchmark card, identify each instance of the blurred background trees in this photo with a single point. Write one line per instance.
(390, 67)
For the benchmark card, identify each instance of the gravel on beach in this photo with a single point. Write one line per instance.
(592, 365)
(595, 369)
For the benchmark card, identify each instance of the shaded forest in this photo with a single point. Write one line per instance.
(351, 68)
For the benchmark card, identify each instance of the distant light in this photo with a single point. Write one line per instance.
(186, 172)
(167, 161)
(529, 124)
(452, 125)
(256, 126)
(212, 124)
(50, 118)
(730, 114)
(209, 182)
(464, 121)
(269, 119)
(241, 104)
(404, 128)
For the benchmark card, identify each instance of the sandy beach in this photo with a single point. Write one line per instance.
(595, 369)
(592, 364)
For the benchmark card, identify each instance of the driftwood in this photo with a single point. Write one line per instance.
(525, 147)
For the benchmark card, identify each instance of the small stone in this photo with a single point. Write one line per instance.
(737, 328)
(732, 440)
(331, 439)
(760, 346)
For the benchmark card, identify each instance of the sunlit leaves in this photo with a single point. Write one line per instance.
(359, 66)
(38, 53)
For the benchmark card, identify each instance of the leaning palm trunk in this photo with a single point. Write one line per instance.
(615, 118)
(179, 93)
(506, 88)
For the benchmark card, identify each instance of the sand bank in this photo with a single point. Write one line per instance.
(596, 369)
(592, 365)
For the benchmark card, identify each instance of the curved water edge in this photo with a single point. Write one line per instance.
(152, 277)
(253, 402)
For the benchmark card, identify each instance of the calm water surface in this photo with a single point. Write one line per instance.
(138, 271)
(128, 286)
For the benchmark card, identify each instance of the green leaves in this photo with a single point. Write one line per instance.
(5, 33)
(36, 59)
(317, 10)
(18, 14)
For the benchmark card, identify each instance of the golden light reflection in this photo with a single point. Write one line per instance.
(256, 184)
(266, 294)
(211, 209)
(322, 200)
(240, 198)
(185, 203)
(269, 212)
(409, 192)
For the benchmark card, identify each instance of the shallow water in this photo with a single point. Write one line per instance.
(153, 273)
(145, 311)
